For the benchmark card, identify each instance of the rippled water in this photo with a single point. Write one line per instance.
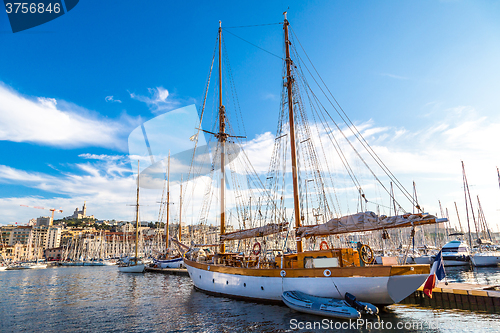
(101, 299)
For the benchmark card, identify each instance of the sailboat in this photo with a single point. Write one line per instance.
(326, 272)
(167, 260)
(133, 265)
(488, 254)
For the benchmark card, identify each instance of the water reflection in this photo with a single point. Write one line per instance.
(89, 299)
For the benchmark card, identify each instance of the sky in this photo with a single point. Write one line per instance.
(420, 77)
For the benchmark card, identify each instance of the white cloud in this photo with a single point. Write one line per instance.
(43, 121)
(158, 100)
(101, 157)
(111, 99)
(430, 156)
(432, 160)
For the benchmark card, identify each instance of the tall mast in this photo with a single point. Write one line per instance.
(458, 216)
(137, 217)
(180, 213)
(222, 140)
(168, 203)
(466, 190)
(295, 176)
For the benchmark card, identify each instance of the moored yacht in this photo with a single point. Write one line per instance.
(456, 253)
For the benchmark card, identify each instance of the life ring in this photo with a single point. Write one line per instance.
(323, 246)
(256, 248)
(366, 254)
(327, 272)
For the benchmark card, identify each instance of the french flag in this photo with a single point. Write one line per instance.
(437, 273)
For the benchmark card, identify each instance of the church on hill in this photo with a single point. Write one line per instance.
(80, 214)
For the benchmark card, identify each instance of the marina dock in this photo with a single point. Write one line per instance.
(171, 271)
(467, 296)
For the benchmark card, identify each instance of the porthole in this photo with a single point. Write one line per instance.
(261, 288)
(244, 284)
(213, 280)
(200, 276)
(227, 282)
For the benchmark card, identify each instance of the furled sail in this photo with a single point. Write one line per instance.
(268, 229)
(367, 221)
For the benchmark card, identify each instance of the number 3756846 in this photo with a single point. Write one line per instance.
(25, 8)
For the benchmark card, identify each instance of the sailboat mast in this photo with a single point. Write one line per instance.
(180, 213)
(466, 189)
(458, 217)
(137, 217)
(222, 140)
(295, 176)
(168, 203)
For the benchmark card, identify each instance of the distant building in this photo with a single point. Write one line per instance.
(52, 254)
(21, 235)
(11, 235)
(43, 220)
(80, 214)
(127, 227)
(47, 237)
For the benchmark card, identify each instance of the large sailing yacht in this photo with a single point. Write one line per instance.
(324, 272)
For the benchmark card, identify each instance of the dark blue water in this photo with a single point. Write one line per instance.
(101, 299)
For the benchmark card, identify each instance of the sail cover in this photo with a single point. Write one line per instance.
(367, 221)
(255, 232)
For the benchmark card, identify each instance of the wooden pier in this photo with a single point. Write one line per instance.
(171, 271)
(465, 296)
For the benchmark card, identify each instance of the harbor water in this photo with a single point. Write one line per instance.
(101, 299)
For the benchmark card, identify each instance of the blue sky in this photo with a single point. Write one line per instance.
(423, 75)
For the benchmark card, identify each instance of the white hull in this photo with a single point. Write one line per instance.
(486, 259)
(139, 268)
(424, 260)
(382, 290)
(3, 268)
(172, 263)
(452, 263)
(37, 266)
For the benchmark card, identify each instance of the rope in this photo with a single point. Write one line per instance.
(254, 25)
(274, 55)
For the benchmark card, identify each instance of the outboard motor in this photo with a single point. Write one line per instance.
(351, 300)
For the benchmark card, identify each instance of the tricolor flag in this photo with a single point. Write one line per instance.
(437, 273)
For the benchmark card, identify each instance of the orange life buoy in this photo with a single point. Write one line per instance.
(256, 248)
(323, 246)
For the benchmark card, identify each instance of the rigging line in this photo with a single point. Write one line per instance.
(370, 151)
(274, 55)
(378, 160)
(202, 113)
(253, 25)
(348, 141)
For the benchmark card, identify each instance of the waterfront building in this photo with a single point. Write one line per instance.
(47, 236)
(12, 234)
(21, 235)
(53, 254)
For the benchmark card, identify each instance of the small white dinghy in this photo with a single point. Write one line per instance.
(348, 308)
